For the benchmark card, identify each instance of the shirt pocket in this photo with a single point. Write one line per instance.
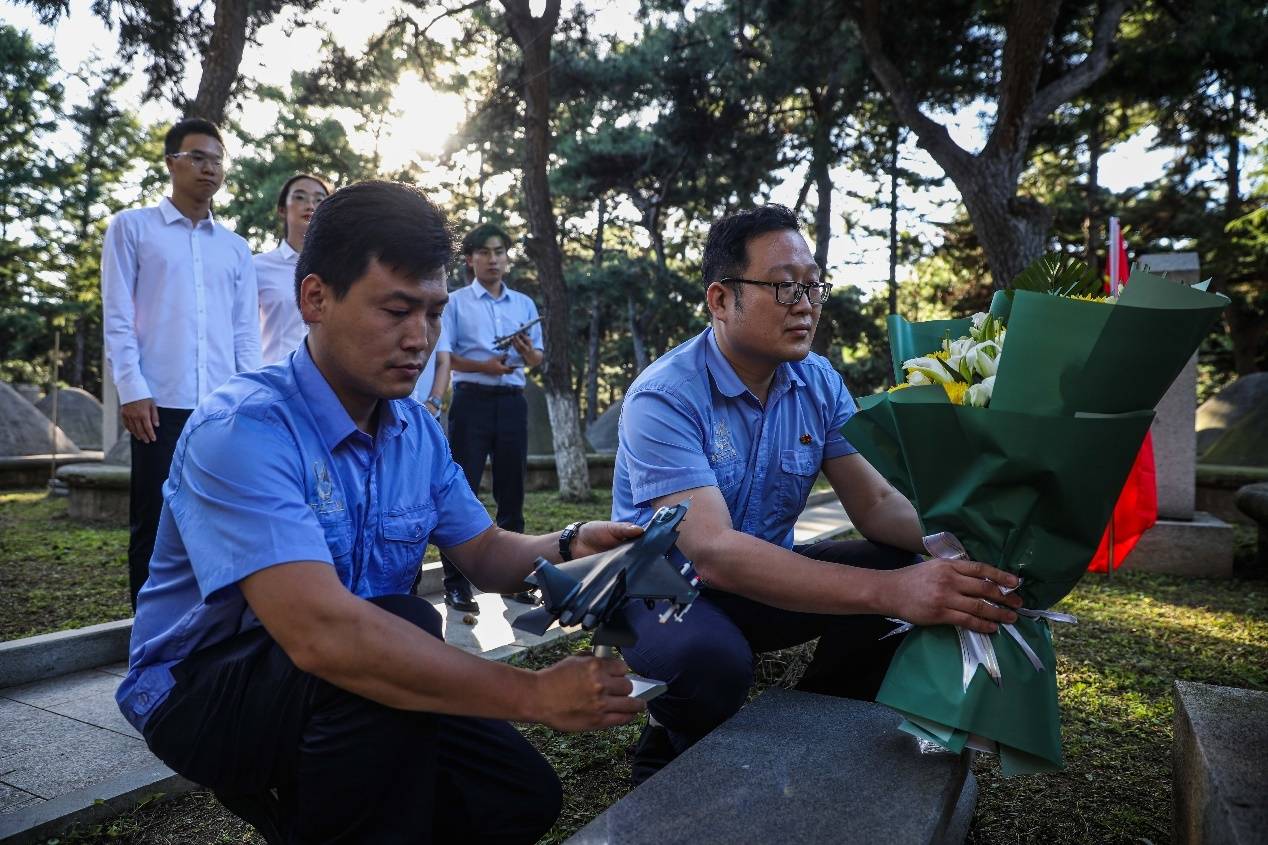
(729, 476)
(405, 533)
(798, 470)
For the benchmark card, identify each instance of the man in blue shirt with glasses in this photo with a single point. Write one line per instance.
(742, 419)
(277, 656)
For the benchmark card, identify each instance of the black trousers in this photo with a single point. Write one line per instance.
(242, 719)
(708, 659)
(150, 464)
(490, 423)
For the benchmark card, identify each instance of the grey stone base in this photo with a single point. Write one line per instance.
(33, 470)
(97, 492)
(796, 767)
(1221, 780)
(62, 652)
(1202, 548)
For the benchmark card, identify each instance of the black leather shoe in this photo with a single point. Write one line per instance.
(461, 600)
(262, 811)
(653, 752)
(523, 597)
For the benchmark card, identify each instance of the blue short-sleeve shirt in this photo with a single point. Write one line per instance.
(474, 318)
(271, 469)
(688, 421)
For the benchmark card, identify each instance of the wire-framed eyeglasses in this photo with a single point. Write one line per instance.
(198, 159)
(790, 292)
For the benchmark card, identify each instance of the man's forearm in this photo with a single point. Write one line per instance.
(460, 364)
(499, 561)
(893, 521)
(742, 564)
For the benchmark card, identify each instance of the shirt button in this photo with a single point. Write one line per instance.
(144, 698)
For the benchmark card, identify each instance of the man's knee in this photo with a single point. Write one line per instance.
(414, 610)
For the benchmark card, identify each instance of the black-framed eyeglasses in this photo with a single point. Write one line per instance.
(198, 159)
(790, 292)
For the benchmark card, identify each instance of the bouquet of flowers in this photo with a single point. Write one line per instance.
(1014, 454)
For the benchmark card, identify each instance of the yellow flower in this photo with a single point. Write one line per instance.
(1085, 298)
(955, 391)
(899, 387)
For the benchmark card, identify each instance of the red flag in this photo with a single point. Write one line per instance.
(1137, 508)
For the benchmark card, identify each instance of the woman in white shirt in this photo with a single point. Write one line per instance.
(281, 329)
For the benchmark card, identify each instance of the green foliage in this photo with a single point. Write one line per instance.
(1060, 276)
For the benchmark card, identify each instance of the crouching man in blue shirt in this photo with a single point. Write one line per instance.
(277, 656)
(742, 418)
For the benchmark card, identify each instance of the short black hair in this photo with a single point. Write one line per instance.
(726, 248)
(286, 189)
(189, 126)
(480, 235)
(389, 222)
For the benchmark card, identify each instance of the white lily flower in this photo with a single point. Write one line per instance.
(931, 368)
(983, 359)
(917, 379)
(979, 395)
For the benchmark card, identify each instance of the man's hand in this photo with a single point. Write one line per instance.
(496, 367)
(522, 345)
(595, 537)
(585, 693)
(140, 418)
(953, 592)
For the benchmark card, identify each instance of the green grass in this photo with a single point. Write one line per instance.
(56, 573)
(1136, 634)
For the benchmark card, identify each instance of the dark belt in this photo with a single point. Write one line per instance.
(493, 389)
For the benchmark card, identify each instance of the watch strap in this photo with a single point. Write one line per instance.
(566, 537)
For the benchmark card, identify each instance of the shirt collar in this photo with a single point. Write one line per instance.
(171, 213)
(286, 251)
(333, 421)
(481, 290)
(729, 383)
(332, 418)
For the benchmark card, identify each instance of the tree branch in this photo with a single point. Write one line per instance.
(933, 136)
(1092, 68)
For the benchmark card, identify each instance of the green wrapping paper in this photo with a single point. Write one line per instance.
(1027, 492)
(1027, 484)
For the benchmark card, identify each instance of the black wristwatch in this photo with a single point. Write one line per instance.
(566, 537)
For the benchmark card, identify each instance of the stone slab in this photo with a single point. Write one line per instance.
(13, 799)
(797, 767)
(35, 823)
(1175, 445)
(1220, 789)
(33, 470)
(49, 655)
(86, 697)
(1202, 547)
(47, 754)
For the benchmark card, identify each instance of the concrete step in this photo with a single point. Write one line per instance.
(798, 767)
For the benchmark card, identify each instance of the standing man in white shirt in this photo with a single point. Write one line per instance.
(489, 415)
(180, 317)
(281, 328)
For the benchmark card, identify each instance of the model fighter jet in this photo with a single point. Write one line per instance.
(503, 343)
(591, 591)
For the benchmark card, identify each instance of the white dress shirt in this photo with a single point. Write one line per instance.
(423, 388)
(179, 301)
(473, 319)
(282, 330)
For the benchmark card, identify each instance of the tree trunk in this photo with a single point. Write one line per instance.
(221, 60)
(533, 35)
(596, 320)
(823, 214)
(1012, 230)
(893, 219)
(1091, 218)
(636, 335)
